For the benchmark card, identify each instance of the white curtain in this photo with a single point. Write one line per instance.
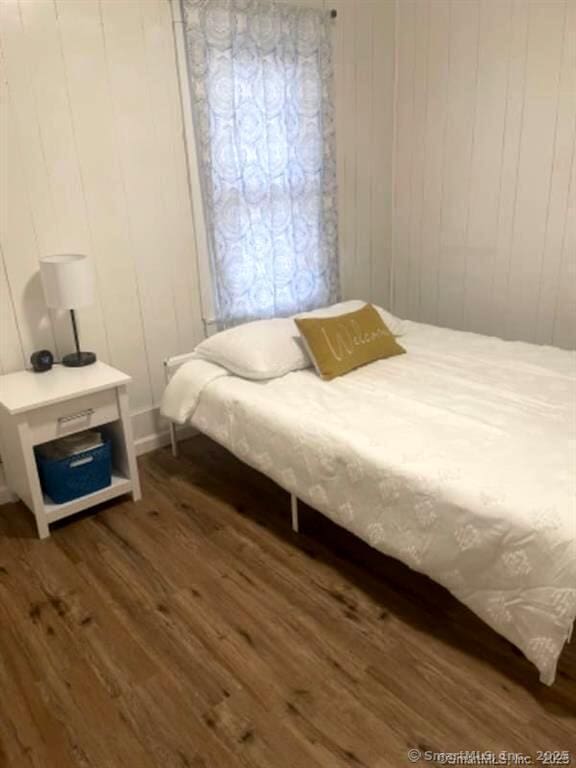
(261, 88)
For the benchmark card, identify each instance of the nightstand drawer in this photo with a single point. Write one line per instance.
(71, 416)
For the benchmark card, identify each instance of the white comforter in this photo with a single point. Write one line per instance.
(458, 458)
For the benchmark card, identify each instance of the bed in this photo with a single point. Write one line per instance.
(458, 458)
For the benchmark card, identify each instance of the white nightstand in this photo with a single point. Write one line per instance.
(38, 407)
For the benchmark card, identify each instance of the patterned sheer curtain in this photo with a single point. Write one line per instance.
(261, 87)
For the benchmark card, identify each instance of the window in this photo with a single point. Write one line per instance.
(261, 88)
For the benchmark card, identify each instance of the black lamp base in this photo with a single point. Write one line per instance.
(78, 359)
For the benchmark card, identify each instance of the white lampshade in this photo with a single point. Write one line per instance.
(68, 281)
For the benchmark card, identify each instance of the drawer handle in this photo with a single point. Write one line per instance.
(74, 416)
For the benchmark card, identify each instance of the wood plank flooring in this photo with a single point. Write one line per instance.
(195, 630)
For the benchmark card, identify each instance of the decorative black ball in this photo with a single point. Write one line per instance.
(41, 361)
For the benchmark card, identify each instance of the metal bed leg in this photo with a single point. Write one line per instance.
(294, 508)
(173, 441)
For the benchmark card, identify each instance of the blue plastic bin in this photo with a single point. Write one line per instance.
(74, 476)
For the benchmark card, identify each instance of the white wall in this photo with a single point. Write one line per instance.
(364, 46)
(485, 168)
(93, 160)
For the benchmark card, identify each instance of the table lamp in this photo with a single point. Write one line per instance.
(68, 282)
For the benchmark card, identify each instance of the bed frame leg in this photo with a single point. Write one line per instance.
(173, 441)
(294, 508)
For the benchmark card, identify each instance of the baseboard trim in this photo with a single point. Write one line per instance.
(154, 441)
(150, 433)
(5, 495)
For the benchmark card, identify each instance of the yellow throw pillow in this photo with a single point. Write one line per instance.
(339, 344)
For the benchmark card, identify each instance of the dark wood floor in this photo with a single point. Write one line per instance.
(193, 629)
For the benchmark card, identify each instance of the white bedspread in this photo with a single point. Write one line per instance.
(458, 458)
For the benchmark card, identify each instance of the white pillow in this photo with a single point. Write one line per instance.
(263, 349)
(268, 349)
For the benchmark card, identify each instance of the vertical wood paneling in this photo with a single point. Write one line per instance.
(142, 173)
(91, 107)
(17, 67)
(40, 44)
(364, 81)
(404, 108)
(382, 128)
(458, 150)
(11, 352)
(544, 56)
(564, 328)
(18, 236)
(513, 126)
(485, 175)
(167, 119)
(439, 24)
(486, 165)
(561, 212)
(93, 160)
(418, 139)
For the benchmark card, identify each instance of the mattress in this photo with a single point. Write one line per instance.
(458, 458)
